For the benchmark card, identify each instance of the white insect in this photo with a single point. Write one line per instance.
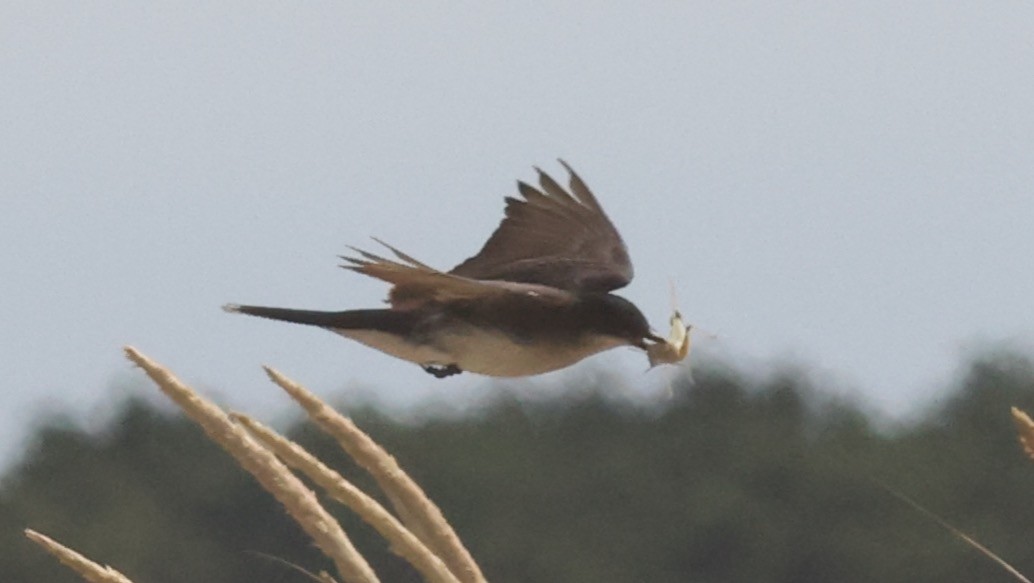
(677, 346)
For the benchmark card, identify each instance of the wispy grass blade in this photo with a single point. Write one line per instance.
(958, 533)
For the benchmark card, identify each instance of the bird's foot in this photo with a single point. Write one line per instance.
(441, 371)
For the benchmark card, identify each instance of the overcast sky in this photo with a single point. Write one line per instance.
(842, 186)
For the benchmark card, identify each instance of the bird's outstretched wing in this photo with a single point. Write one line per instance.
(414, 283)
(554, 237)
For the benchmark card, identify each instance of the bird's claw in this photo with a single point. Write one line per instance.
(441, 371)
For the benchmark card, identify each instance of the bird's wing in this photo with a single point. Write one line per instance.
(415, 283)
(554, 237)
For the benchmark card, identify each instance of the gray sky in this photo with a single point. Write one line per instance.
(841, 185)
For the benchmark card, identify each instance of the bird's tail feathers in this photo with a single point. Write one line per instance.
(383, 320)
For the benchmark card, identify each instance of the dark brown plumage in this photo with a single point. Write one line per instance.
(554, 237)
(535, 298)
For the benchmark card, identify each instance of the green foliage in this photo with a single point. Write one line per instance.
(728, 482)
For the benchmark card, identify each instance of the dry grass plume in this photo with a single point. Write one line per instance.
(419, 534)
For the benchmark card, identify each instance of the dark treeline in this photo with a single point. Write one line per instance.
(729, 482)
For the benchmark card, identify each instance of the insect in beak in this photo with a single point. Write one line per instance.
(673, 349)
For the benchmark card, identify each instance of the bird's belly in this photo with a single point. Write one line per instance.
(483, 352)
(496, 355)
(422, 354)
(499, 355)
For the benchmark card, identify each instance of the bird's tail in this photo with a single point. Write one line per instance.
(382, 320)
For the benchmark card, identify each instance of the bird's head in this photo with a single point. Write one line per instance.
(615, 316)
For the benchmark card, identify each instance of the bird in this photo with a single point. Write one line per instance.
(536, 298)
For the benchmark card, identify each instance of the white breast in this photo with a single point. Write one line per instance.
(486, 353)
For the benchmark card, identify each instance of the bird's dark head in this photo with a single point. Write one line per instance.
(615, 316)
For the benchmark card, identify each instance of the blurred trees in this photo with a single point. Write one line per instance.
(727, 482)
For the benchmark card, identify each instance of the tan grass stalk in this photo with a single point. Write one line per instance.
(418, 513)
(403, 542)
(1025, 428)
(300, 502)
(89, 570)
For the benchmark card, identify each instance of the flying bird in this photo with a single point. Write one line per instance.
(536, 298)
